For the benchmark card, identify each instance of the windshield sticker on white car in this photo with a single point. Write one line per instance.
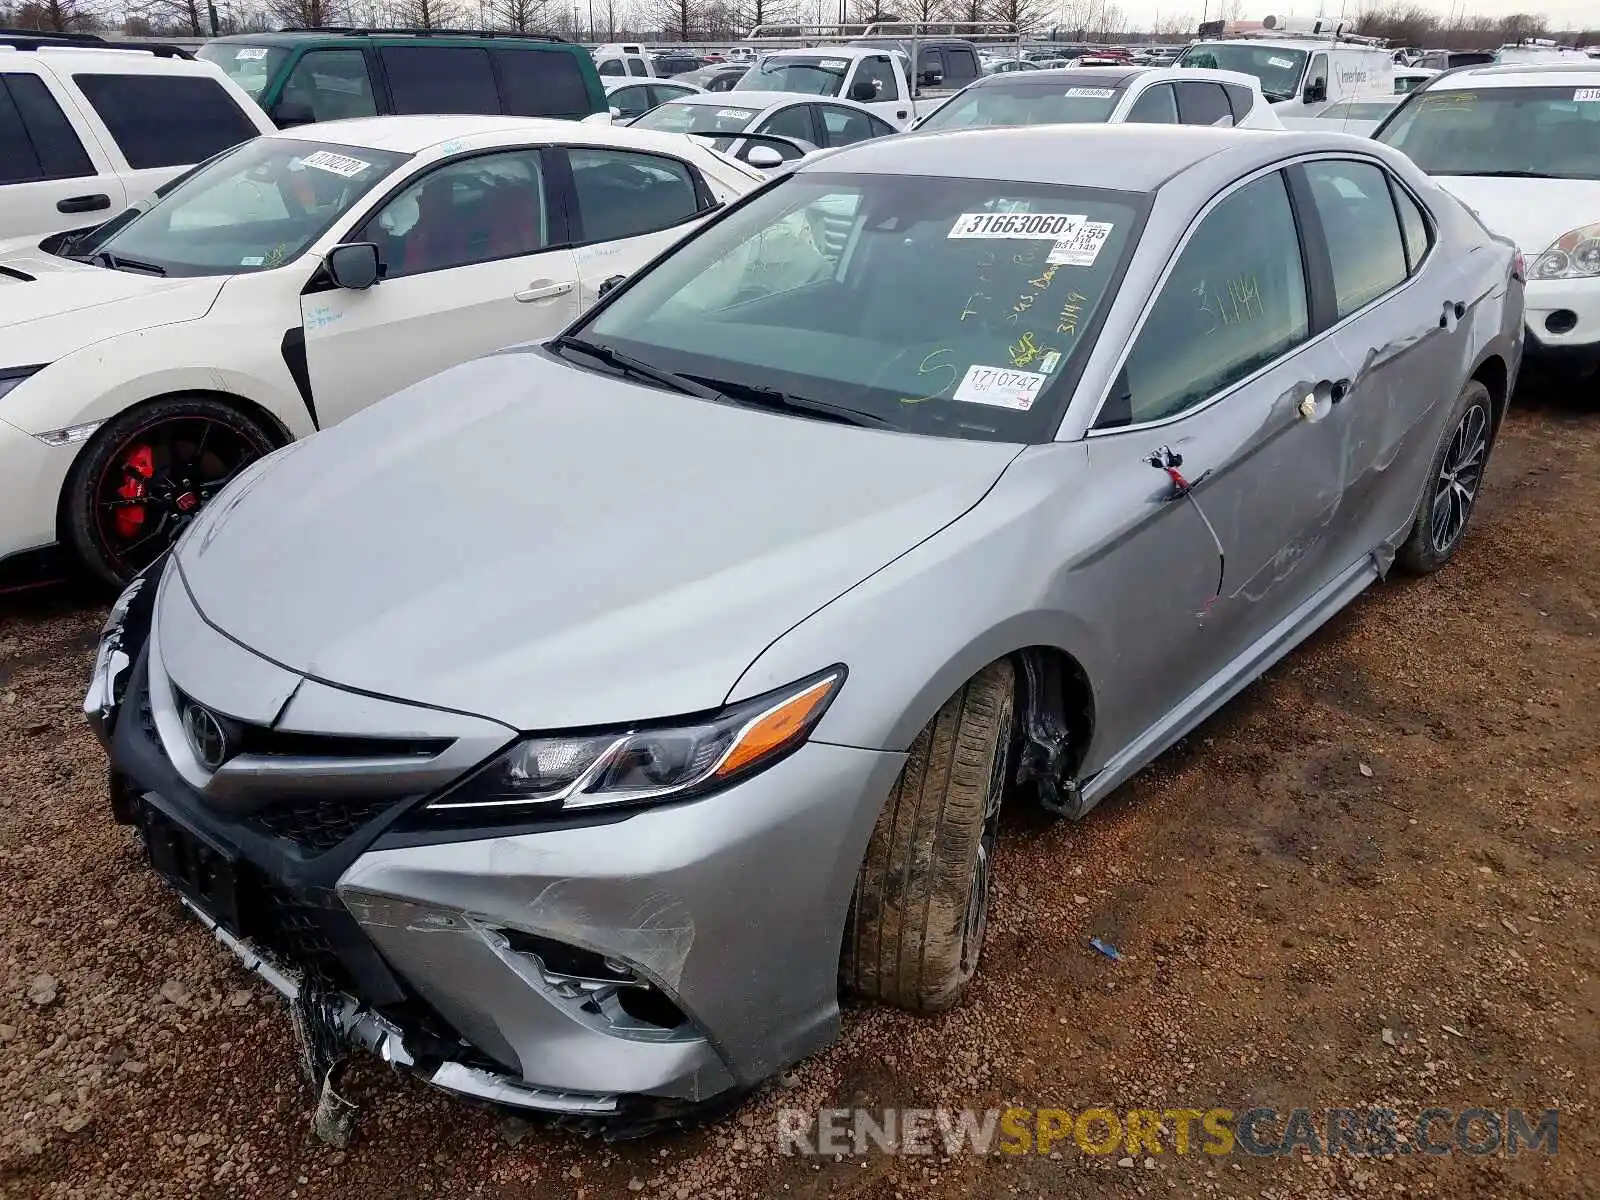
(250, 54)
(1285, 63)
(1583, 95)
(1045, 227)
(734, 114)
(338, 164)
(251, 260)
(1050, 362)
(1091, 93)
(833, 64)
(1082, 246)
(999, 387)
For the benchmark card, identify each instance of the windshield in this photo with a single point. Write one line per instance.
(957, 307)
(1278, 70)
(251, 67)
(255, 208)
(1553, 131)
(678, 117)
(817, 76)
(1024, 102)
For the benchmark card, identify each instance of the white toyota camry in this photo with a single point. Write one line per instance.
(290, 282)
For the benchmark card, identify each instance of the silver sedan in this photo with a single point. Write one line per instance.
(568, 726)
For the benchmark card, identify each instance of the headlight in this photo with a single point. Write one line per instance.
(560, 773)
(10, 377)
(1575, 255)
(120, 639)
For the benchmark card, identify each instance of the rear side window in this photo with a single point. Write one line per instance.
(1413, 225)
(1364, 242)
(622, 194)
(611, 66)
(1241, 98)
(440, 79)
(17, 162)
(1155, 106)
(961, 65)
(542, 83)
(166, 120)
(1203, 104)
(56, 147)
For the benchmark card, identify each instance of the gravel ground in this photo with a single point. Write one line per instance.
(1370, 881)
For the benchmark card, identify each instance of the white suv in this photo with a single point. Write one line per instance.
(88, 128)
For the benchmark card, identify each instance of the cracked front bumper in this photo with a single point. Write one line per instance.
(661, 956)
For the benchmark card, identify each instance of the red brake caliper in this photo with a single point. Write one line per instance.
(136, 468)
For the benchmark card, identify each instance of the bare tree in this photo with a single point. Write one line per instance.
(677, 19)
(58, 16)
(427, 14)
(520, 16)
(307, 14)
(1027, 15)
(185, 17)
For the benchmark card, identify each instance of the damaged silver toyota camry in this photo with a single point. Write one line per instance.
(574, 727)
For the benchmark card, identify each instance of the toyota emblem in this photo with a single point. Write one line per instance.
(207, 738)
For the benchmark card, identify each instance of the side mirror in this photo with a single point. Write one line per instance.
(764, 157)
(615, 113)
(287, 113)
(353, 265)
(1316, 91)
(604, 118)
(932, 77)
(862, 91)
(608, 284)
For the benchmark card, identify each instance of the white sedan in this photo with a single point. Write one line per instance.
(630, 98)
(294, 280)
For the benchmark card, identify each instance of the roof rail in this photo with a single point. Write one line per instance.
(33, 41)
(359, 31)
(51, 35)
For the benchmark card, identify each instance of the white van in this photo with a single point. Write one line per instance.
(623, 58)
(1303, 65)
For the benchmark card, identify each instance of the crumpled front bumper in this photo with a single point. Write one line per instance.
(662, 956)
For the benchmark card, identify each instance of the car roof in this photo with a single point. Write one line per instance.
(1132, 158)
(120, 60)
(295, 37)
(1099, 76)
(1516, 75)
(754, 100)
(412, 135)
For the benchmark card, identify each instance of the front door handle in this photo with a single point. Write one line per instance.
(78, 204)
(1338, 390)
(1453, 310)
(1169, 460)
(542, 289)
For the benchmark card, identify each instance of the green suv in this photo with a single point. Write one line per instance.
(305, 75)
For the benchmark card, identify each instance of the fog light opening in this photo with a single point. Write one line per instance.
(1563, 320)
(649, 1006)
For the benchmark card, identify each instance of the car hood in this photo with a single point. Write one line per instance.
(549, 547)
(50, 307)
(1531, 212)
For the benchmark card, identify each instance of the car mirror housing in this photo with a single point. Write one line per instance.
(764, 157)
(354, 265)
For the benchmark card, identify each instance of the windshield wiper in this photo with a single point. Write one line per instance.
(104, 258)
(756, 396)
(639, 369)
(1510, 174)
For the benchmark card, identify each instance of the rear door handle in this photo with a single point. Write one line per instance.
(1452, 310)
(542, 290)
(78, 204)
(1338, 390)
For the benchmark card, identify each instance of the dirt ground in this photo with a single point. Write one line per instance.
(1372, 880)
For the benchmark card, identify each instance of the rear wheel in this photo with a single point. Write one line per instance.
(921, 905)
(145, 476)
(1454, 478)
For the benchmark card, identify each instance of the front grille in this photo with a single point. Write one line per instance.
(296, 926)
(318, 825)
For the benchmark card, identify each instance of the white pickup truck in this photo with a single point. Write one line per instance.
(876, 76)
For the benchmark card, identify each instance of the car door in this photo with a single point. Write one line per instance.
(1400, 334)
(49, 181)
(627, 207)
(475, 258)
(1218, 374)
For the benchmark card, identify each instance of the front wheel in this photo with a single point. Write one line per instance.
(145, 476)
(1454, 478)
(921, 903)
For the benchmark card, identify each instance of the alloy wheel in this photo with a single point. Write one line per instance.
(1459, 476)
(976, 922)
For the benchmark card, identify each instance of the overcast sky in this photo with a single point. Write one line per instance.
(1577, 14)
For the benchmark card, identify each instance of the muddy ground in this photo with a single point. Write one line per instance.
(1372, 880)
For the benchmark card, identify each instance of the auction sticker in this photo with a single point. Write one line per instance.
(1281, 62)
(1586, 94)
(833, 64)
(735, 114)
(1082, 246)
(249, 54)
(1047, 227)
(999, 387)
(1091, 93)
(338, 164)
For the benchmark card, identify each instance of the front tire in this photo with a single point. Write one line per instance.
(145, 476)
(1455, 476)
(920, 909)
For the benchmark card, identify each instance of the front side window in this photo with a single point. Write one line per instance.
(960, 67)
(956, 307)
(1020, 100)
(440, 79)
(631, 101)
(682, 116)
(637, 67)
(1317, 76)
(612, 67)
(472, 211)
(844, 126)
(251, 210)
(251, 67)
(1155, 106)
(1235, 300)
(1532, 132)
(791, 122)
(333, 84)
(879, 74)
(165, 120)
(60, 154)
(1358, 218)
(1279, 70)
(813, 76)
(660, 93)
(624, 194)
